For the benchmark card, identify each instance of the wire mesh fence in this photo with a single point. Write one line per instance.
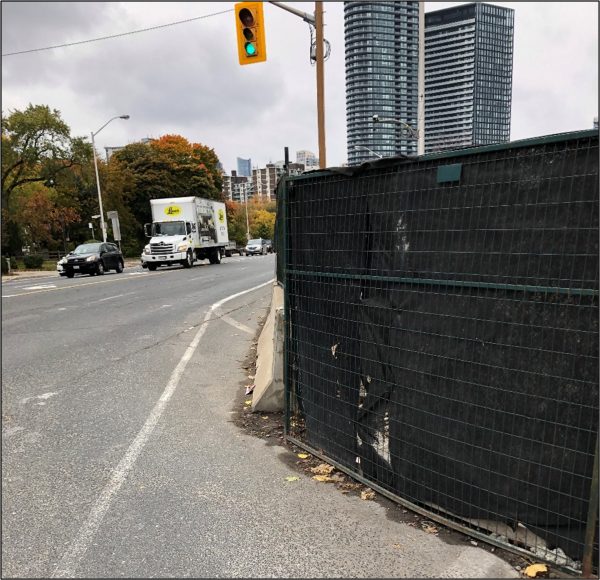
(442, 335)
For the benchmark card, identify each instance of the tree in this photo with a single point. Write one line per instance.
(236, 222)
(36, 148)
(263, 224)
(170, 166)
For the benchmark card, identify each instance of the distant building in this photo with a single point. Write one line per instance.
(244, 167)
(236, 187)
(382, 42)
(468, 76)
(264, 182)
(308, 159)
(110, 150)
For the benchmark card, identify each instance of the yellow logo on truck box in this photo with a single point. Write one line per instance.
(221, 215)
(172, 210)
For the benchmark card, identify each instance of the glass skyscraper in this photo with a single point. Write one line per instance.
(468, 76)
(382, 41)
(244, 167)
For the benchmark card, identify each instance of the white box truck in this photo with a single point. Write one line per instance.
(183, 230)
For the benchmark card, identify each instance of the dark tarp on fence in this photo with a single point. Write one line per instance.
(443, 335)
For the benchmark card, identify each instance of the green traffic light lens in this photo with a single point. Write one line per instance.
(250, 49)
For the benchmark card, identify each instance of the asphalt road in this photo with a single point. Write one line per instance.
(120, 458)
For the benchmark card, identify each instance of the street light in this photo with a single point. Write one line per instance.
(367, 149)
(102, 224)
(406, 128)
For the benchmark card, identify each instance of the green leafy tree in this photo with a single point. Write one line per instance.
(36, 148)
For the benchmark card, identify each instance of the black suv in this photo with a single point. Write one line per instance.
(93, 259)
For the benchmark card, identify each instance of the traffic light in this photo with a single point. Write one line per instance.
(250, 28)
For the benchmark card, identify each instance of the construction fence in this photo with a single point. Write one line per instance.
(442, 336)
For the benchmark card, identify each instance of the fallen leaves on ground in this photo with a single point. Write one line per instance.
(248, 402)
(292, 478)
(337, 478)
(367, 494)
(398, 546)
(303, 455)
(322, 469)
(429, 527)
(535, 569)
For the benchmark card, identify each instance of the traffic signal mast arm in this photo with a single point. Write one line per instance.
(304, 15)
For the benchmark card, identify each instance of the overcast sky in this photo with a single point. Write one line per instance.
(186, 79)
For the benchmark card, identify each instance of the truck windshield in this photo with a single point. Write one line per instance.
(168, 229)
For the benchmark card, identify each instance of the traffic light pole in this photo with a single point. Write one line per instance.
(320, 54)
(317, 22)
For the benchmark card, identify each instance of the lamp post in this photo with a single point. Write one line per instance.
(102, 223)
(247, 222)
(406, 128)
(367, 149)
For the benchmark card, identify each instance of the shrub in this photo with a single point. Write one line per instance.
(34, 261)
(13, 263)
(4, 265)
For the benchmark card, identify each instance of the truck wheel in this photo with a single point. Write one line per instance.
(151, 267)
(215, 256)
(189, 260)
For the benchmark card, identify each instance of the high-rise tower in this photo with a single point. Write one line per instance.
(468, 76)
(382, 40)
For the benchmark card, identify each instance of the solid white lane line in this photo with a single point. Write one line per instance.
(70, 560)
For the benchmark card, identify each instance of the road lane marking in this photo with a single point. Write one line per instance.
(39, 287)
(111, 297)
(70, 560)
(232, 322)
(76, 286)
(44, 396)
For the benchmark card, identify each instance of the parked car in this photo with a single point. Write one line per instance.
(258, 246)
(93, 259)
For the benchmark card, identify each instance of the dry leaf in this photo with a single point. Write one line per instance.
(535, 569)
(292, 478)
(248, 402)
(303, 455)
(322, 469)
(367, 494)
(323, 478)
(429, 527)
(398, 546)
(265, 417)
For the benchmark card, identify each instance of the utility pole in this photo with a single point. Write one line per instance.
(320, 53)
(316, 20)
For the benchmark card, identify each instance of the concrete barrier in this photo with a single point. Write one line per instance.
(268, 394)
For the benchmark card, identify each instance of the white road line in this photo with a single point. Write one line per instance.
(70, 560)
(232, 322)
(39, 287)
(112, 297)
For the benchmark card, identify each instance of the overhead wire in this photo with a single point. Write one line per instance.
(117, 35)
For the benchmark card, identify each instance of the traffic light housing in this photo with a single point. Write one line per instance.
(250, 29)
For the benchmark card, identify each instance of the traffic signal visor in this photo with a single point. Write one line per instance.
(250, 28)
